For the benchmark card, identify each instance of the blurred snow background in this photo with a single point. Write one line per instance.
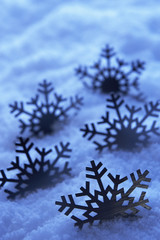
(48, 39)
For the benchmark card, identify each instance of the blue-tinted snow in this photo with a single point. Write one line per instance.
(48, 39)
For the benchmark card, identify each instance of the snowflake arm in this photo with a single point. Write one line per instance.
(116, 104)
(136, 184)
(46, 89)
(62, 153)
(92, 131)
(137, 66)
(19, 108)
(151, 110)
(74, 103)
(22, 144)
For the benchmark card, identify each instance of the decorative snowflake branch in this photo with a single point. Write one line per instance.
(19, 108)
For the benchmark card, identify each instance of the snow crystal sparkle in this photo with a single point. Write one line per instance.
(38, 173)
(100, 205)
(125, 132)
(109, 78)
(45, 114)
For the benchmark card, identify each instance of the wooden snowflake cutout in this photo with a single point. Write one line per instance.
(106, 202)
(126, 131)
(46, 113)
(35, 174)
(109, 76)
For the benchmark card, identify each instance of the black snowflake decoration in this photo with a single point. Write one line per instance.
(108, 77)
(36, 174)
(44, 114)
(106, 202)
(126, 131)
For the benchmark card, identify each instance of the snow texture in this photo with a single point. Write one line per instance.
(48, 40)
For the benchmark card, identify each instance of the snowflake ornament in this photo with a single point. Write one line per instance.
(105, 202)
(126, 131)
(35, 174)
(45, 114)
(109, 77)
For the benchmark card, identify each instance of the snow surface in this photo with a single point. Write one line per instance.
(48, 39)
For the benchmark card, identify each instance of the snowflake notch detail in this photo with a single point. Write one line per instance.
(126, 131)
(108, 202)
(44, 114)
(106, 77)
(39, 173)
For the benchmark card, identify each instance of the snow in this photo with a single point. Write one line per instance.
(48, 40)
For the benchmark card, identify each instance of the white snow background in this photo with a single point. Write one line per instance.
(48, 40)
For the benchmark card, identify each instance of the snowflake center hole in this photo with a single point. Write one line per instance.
(46, 122)
(127, 138)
